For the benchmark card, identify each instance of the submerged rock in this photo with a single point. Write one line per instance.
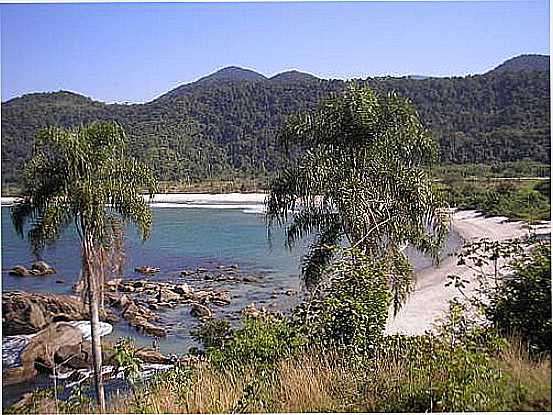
(146, 270)
(200, 311)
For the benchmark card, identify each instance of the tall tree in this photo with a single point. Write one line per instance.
(82, 176)
(363, 175)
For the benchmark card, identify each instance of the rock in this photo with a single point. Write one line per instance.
(146, 270)
(249, 279)
(41, 350)
(201, 269)
(167, 295)
(221, 298)
(28, 313)
(182, 289)
(202, 295)
(43, 268)
(200, 311)
(186, 272)
(152, 356)
(291, 292)
(251, 311)
(122, 302)
(19, 271)
(60, 281)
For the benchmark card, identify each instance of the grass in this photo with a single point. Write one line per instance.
(417, 376)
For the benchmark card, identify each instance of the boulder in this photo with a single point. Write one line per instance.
(28, 313)
(182, 289)
(165, 296)
(251, 311)
(19, 271)
(146, 270)
(200, 311)
(41, 350)
(152, 356)
(221, 298)
(43, 268)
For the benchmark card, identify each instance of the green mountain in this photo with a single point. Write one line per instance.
(224, 125)
(524, 63)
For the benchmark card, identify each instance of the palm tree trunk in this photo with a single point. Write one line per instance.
(94, 323)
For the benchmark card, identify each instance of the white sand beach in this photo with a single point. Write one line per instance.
(195, 198)
(430, 298)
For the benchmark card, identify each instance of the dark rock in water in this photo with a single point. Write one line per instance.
(60, 281)
(291, 292)
(43, 268)
(28, 313)
(200, 311)
(41, 350)
(19, 271)
(221, 298)
(164, 295)
(201, 269)
(249, 279)
(146, 270)
(140, 318)
(183, 290)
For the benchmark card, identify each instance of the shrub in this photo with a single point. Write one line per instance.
(521, 303)
(261, 341)
(350, 307)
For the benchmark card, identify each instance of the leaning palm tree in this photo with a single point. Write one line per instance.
(82, 176)
(361, 176)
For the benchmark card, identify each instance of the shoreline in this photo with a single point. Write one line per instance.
(429, 300)
(188, 198)
(430, 297)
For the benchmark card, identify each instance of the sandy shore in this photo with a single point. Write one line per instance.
(193, 198)
(430, 299)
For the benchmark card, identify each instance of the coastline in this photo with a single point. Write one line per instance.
(429, 300)
(189, 198)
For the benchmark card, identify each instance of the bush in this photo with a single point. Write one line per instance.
(521, 304)
(350, 308)
(261, 341)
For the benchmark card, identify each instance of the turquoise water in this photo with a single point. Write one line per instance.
(184, 238)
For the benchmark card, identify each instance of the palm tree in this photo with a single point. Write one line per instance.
(361, 175)
(82, 176)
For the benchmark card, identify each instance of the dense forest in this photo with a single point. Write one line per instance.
(225, 125)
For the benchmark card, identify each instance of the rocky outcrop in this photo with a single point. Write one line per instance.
(200, 311)
(146, 270)
(39, 268)
(40, 350)
(28, 313)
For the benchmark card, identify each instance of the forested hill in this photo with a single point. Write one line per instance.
(224, 124)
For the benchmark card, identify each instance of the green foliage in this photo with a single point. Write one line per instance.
(227, 129)
(349, 308)
(126, 360)
(521, 304)
(362, 176)
(261, 342)
(213, 333)
(517, 200)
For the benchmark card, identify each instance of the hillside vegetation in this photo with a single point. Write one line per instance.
(224, 125)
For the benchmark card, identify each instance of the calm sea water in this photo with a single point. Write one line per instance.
(184, 238)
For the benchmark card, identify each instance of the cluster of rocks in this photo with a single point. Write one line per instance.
(28, 313)
(221, 273)
(140, 297)
(38, 268)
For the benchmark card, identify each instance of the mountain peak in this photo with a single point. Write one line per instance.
(524, 63)
(293, 76)
(231, 73)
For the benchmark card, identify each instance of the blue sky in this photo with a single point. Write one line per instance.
(135, 52)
